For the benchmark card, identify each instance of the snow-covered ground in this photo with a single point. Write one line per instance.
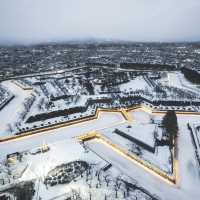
(188, 171)
(136, 84)
(173, 80)
(5, 96)
(10, 113)
(187, 190)
(98, 183)
(197, 133)
(105, 120)
(72, 92)
(178, 80)
(161, 158)
(140, 116)
(60, 152)
(143, 130)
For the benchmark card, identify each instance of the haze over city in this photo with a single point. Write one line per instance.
(36, 21)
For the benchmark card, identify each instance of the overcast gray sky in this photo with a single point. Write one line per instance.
(33, 21)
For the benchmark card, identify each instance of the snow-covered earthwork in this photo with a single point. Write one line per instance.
(140, 138)
(52, 164)
(34, 165)
(187, 167)
(43, 101)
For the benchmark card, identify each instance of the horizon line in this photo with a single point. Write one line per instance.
(92, 41)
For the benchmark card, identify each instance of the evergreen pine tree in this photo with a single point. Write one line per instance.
(170, 124)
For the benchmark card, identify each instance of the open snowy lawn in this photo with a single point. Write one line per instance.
(178, 80)
(140, 132)
(137, 84)
(173, 80)
(140, 116)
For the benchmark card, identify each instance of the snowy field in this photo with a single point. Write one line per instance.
(140, 116)
(137, 84)
(177, 79)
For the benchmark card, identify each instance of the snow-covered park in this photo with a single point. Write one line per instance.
(64, 148)
(54, 165)
(139, 137)
(41, 101)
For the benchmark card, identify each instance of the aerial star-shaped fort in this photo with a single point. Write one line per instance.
(101, 130)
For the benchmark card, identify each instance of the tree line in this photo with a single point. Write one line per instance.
(191, 74)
